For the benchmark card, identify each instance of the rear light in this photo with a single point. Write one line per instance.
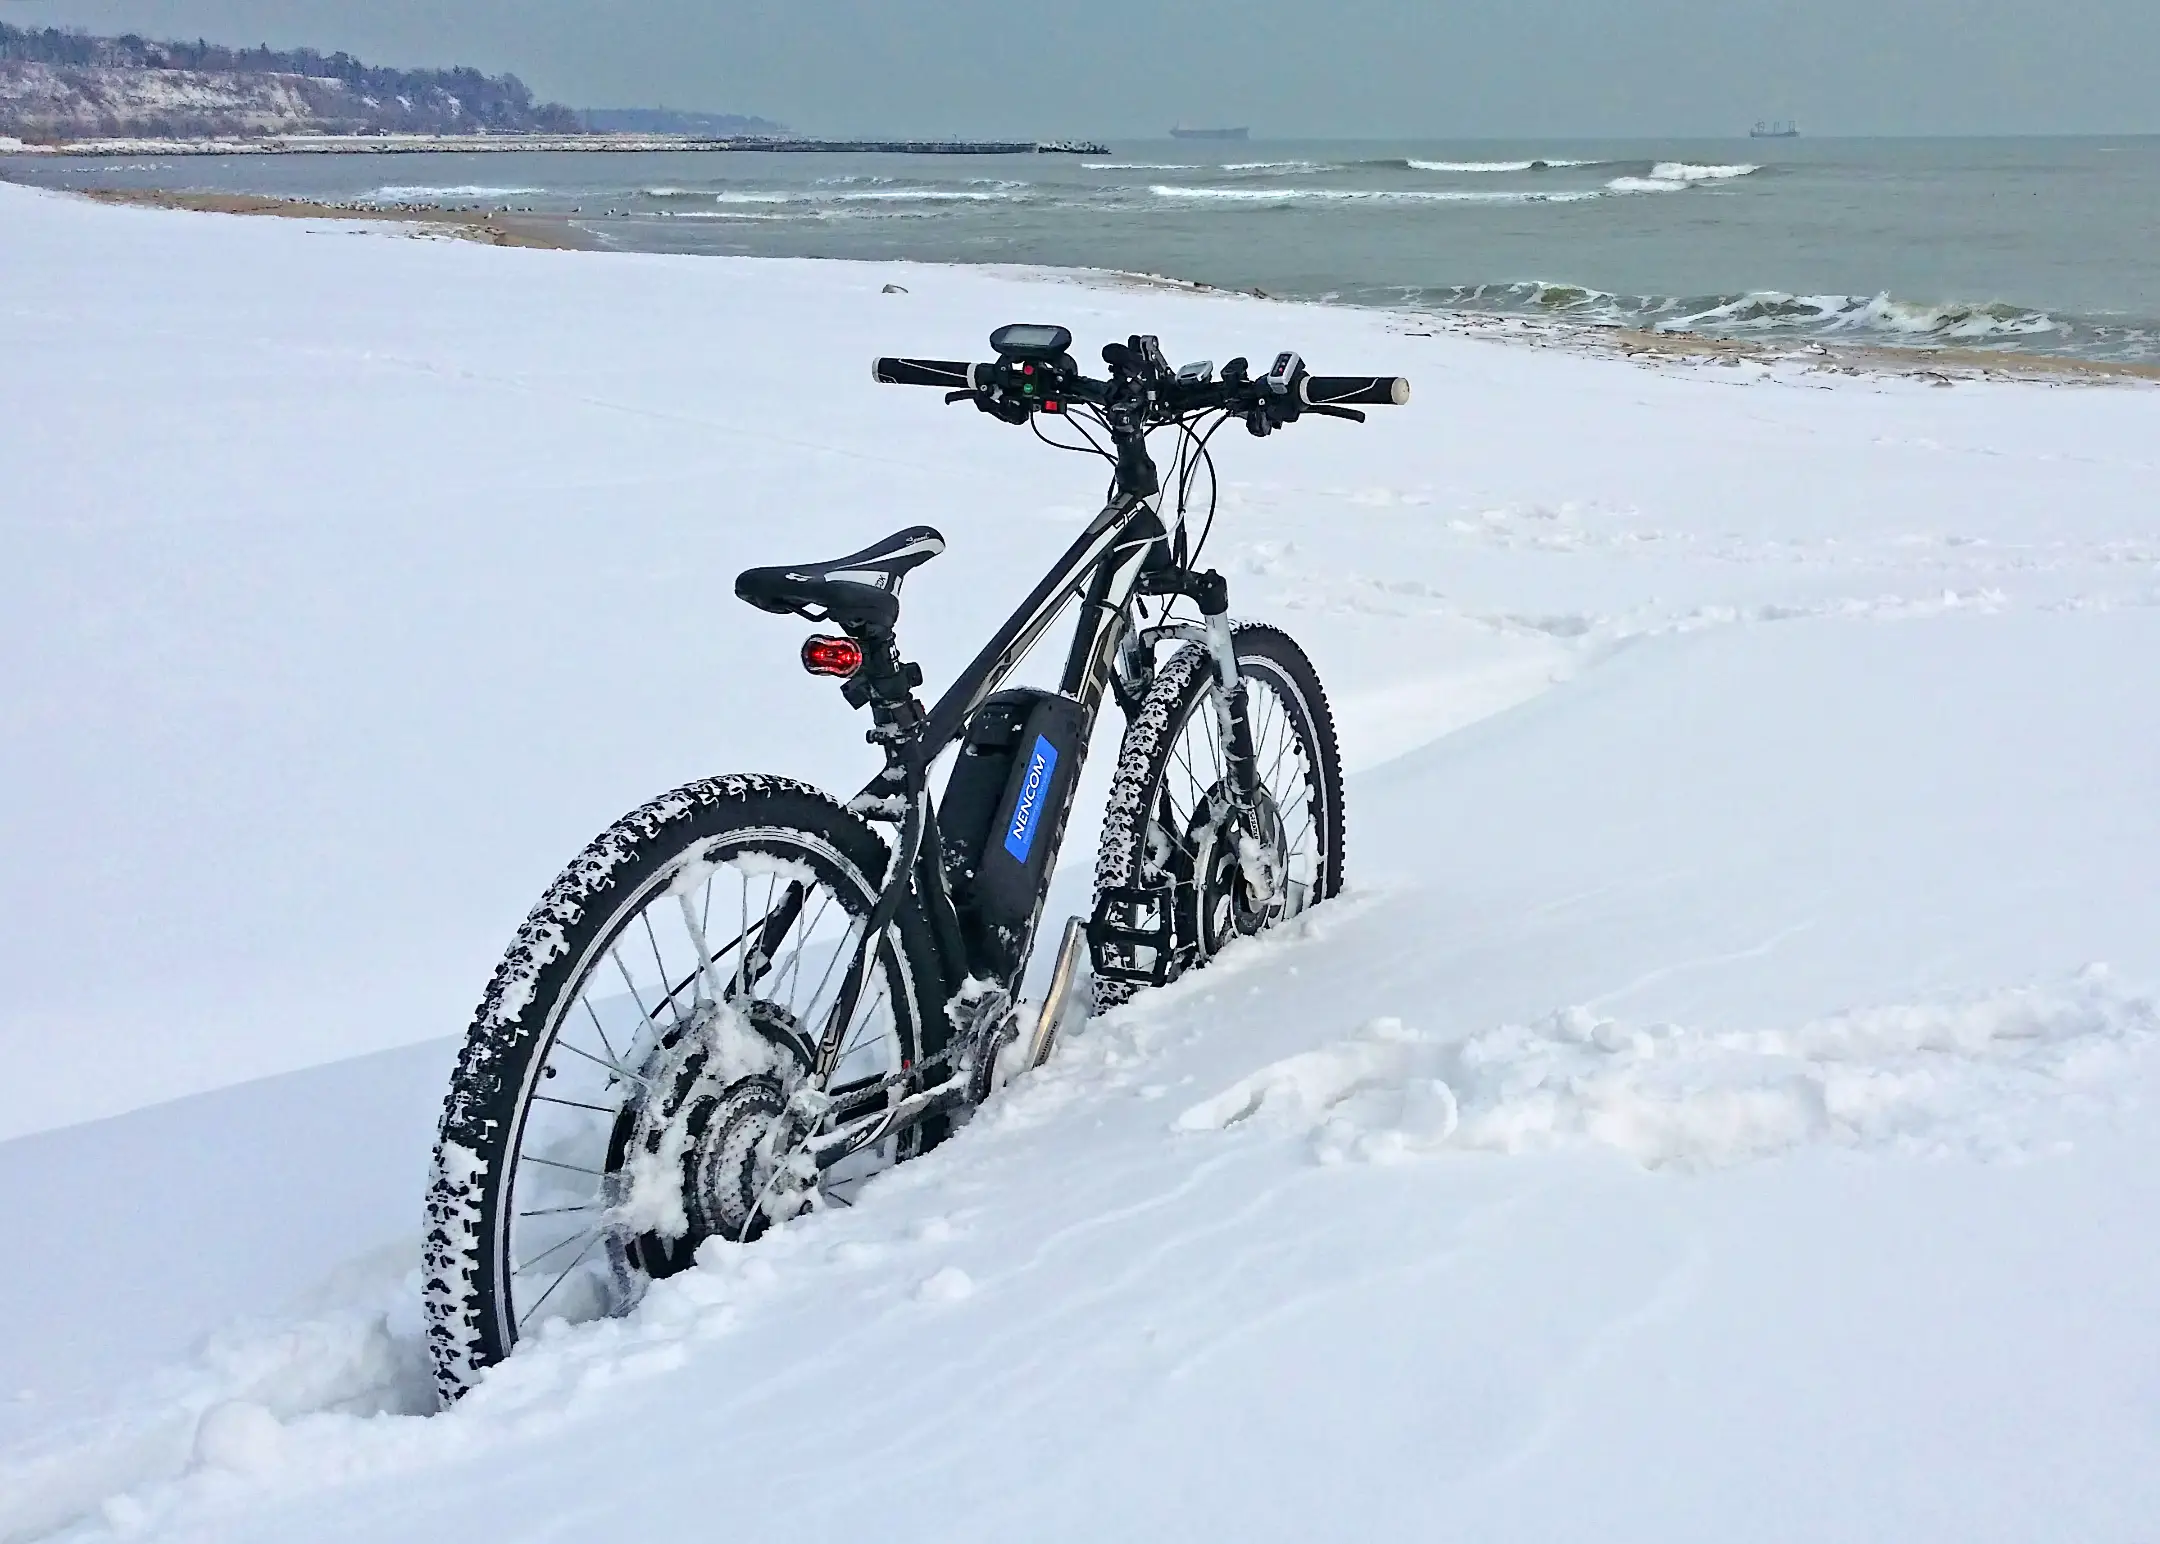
(831, 656)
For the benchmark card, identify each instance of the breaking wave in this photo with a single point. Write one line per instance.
(1678, 177)
(994, 192)
(1487, 166)
(1773, 314)
(1366, 195)
(462, 190)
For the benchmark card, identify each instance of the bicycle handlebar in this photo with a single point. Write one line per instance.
(1355, 390)
(1016, 387)
(951, 374)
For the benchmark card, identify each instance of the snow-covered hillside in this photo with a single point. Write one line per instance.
(58, 99)
(65, 86)
(1723, 1107)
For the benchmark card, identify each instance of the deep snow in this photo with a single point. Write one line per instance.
(1722, 1108)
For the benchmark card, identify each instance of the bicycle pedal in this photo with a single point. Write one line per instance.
(1128, 920)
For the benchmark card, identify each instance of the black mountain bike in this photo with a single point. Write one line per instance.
(740, 1001)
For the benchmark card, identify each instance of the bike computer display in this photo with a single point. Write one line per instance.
(1030, 340)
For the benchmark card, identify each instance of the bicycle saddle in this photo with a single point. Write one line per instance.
(861, 590)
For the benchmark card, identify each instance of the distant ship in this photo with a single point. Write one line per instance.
(1775, 129)
(1182, 132)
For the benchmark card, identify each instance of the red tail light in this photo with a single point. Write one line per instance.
(831, 656)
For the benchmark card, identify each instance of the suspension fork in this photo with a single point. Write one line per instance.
(1232, 719)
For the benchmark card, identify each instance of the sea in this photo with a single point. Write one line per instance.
(2035, 245)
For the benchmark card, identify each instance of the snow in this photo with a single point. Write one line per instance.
(1723, 1105)
(1910, 1076)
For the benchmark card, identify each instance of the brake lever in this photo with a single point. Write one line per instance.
(1326, 411)
(958, 396)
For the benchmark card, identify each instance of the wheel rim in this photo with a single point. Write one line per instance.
(653, 1115)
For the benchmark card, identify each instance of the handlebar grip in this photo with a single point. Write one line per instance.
(1355, 390)
(952, 374)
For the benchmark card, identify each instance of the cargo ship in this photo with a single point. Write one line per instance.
(1182, 132)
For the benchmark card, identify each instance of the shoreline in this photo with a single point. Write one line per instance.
(544, 232)
(1943, 365)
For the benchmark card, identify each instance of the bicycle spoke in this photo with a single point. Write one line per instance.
(794, 959)
(574, 1104)
(870, 1016)
(705, 955)
(558, 1281)
(615, 1067)
(659, 965)
(599, 1029)
(630, 987)
(846, 951)
(742, 957)
(519, 1270)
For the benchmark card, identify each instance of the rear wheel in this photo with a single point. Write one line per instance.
(1170, 828)
(628, 1087)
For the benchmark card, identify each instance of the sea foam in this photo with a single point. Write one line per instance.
(1678, 177)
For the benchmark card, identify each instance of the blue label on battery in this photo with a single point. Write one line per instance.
(1027, 814)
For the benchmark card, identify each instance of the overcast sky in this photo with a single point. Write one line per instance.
(1130, 68)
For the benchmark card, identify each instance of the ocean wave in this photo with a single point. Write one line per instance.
(1138, 166)
(875, 196)
(923, 196)
(812, 213)
(1944, 321)
(1274, 166)
(1678, 177)
(1489, 166)
(1365, 195)
(1773, 314)
(462, 190)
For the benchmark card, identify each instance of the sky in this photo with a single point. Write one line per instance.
(1288, 68)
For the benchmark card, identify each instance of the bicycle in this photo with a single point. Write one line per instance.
(739, 1001)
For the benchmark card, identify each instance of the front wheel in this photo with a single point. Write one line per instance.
(629, 1087)
(1171, 833)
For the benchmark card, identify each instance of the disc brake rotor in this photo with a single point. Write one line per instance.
(1236, 878)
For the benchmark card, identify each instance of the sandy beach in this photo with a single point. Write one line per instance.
(489, 228)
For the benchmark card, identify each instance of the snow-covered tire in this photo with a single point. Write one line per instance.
(1173, 719)
(554, 963)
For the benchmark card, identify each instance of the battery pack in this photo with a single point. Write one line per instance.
(1003, 815)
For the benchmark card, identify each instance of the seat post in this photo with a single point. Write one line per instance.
(886, 682)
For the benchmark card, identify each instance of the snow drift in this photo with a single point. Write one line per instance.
(1722, 1105)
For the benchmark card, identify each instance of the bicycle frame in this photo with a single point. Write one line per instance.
(1101, 570)
(1123, 552)
(1102, 567)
